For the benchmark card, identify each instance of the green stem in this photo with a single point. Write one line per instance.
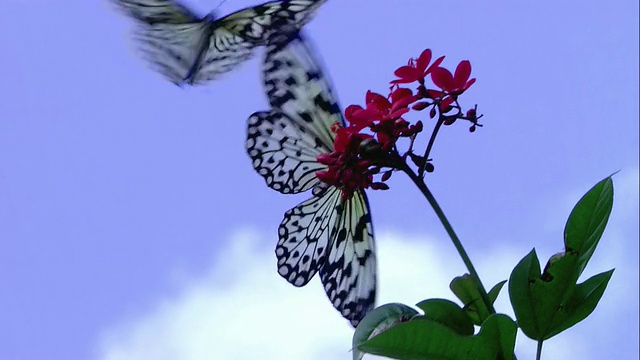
(454, 238)
(539, 352)
(432, 140)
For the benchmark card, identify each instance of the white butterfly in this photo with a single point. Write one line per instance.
(193, 50)
(322, 234)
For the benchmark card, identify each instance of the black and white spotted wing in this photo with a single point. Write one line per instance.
(284, 152)
(153, 12)
(189, 49)
(285, 143)
(322, 234)
(349, 272)
(335, 238)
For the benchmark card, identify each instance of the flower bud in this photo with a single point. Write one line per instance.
(420, 106)
(471, 114)
(379, 186)
(429, 167)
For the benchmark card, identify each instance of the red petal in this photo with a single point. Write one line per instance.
(469, 83)
(361, 118)
(434, 65)
(408, 100)
(342, 139)
(398, 113)
(463, 71)
(442, 78)
(423, 60)
(400, 93)
(377, 99)
(350, 111)
(408, 73)
(367, 97)
(401, 98)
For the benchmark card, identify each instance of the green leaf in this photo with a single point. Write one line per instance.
(583, 301)
(495, 291)
(549, 303)
(467, 291)
(588, 220)
(522, 299)
(536, 297)
(377, 321)
(428, 339)
(447, 313)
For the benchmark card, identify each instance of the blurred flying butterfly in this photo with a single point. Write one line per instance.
(324, 233)
(188, 49)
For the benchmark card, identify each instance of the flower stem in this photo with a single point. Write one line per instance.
(432, 140)
(454, 238)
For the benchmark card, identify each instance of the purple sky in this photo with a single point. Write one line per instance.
(111, 177)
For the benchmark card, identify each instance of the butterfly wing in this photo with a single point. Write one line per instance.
(323, 233)
(257, 23)
(349, 272)
(152, 12)
(336, 238)
(173, 49)
(170, 36)
(224, 51)
(188, 49)
(285, 142)
(304, 237)
(283, 152)
(296, 85)
(234, 36)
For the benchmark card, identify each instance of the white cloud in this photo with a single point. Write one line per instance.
(243, 310)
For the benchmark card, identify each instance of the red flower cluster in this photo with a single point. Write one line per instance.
(358, 156)
(384, 117)
(348, 169)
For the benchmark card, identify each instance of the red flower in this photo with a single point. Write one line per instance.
(388, 132)
(347, 139)
(345, 168)
(453, 84)
(379, 108)
(417, 69)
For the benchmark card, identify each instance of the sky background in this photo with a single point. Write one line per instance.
(133, 226)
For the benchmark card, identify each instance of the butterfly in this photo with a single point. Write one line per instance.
(189, 49)
(323, 234)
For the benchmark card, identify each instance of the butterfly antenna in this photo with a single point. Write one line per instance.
(218, 7)
(211, 16)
